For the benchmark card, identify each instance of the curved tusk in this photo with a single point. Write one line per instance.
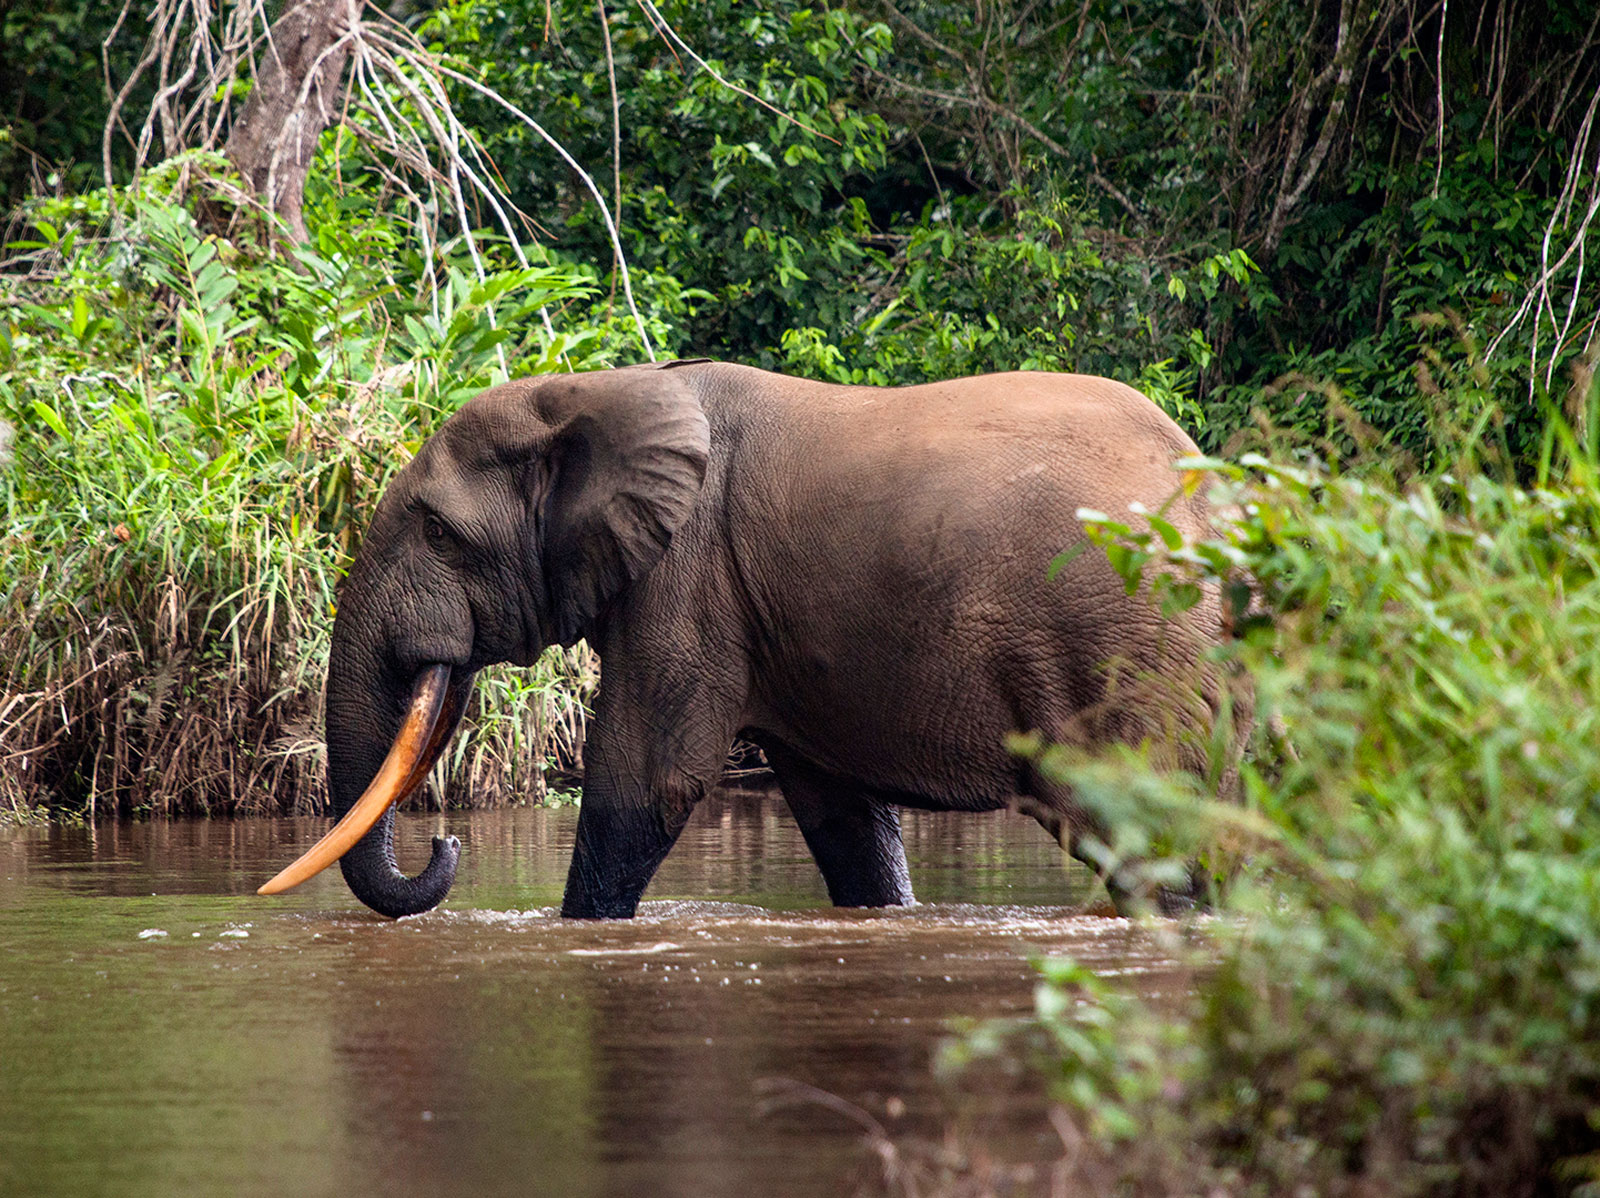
(416, 747)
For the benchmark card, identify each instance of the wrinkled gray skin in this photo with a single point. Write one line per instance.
(852, 577)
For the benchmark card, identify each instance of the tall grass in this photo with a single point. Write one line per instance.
(199, 430)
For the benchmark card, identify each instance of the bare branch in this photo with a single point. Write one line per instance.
(616, 114)
(1539, 301)
(918, 32)
(1438, 161)
(1340, 69)
(979, 101)
(588, 181)
(396, 105)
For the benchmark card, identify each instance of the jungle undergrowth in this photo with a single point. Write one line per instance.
(209, 426)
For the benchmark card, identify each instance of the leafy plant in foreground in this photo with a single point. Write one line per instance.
(1407, 999)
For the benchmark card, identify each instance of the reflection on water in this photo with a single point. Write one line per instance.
(164, 1031)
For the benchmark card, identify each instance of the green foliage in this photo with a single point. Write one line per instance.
(754, 210)
(932, 190)
(1408, 299)
(819, 241)
(957, 298)
(1003, 191)
(1436, 666)
(50, 65)
(1078, 1040)
(1193, 132)
(200, 431)
(1408, 996)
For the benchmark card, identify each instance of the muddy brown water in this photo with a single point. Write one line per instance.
(164, 1031)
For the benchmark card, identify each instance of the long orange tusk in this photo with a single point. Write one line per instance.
(416, 747)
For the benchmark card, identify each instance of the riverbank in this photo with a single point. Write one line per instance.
(207, 427)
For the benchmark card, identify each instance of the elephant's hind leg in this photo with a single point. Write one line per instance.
(1083, 837)
(855, 839)
(1079, 834)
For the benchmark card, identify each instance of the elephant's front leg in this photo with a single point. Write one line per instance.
(623, 836)
(855, 839)
(643, 775)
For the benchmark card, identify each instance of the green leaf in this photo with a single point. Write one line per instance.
(51, 417)
(1170, 536)
(1063, 559)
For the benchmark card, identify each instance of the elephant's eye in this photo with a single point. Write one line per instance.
(433, 529)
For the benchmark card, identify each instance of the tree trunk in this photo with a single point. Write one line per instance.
(298, 89)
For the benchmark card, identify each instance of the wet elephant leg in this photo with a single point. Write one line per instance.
(1052, 807)
(1083, 837)
(621, 840)
(640, 786)
(854, 838)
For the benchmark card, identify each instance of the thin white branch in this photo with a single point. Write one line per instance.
(616, 113)
(1538, 301)
(1438, 165)
(588, 182)
(661, 23)
(397, 105)
(446, 129)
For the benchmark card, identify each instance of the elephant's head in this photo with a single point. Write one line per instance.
(518, 522)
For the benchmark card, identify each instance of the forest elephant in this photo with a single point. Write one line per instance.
(857, 579)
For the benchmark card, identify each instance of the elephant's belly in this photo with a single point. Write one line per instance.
(899, 745)
(909, 679)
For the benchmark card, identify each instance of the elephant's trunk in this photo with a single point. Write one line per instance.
(376, 880)
(364, 790)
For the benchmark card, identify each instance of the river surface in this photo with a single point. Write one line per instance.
(163, 1031)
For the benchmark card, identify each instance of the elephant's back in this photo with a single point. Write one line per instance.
(1001, 463)
(1080, 407)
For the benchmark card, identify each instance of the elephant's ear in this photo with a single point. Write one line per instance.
(629, 457)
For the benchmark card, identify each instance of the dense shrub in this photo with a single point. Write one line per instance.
(1407, 999)
(200, 430)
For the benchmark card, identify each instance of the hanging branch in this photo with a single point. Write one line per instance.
(395, 104)
(418, 58)
(1438, 75)
(616, 112)
(1540, 300)
(673, 38)
(1298, 174)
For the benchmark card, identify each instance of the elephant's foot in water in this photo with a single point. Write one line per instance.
(854, 839)
(616, 853)
(1132, 894)
(1126, 882)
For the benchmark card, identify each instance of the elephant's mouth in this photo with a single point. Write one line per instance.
(435, 707)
